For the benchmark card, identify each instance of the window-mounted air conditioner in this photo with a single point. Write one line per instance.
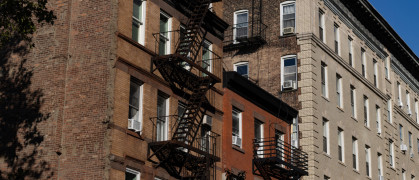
(289, 84)
(237, 141)
(207, 120)
(134, 125)
(288, 30)
(403, 147)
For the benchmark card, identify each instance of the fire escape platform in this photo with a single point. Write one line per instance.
(276, 167)
(177, 145)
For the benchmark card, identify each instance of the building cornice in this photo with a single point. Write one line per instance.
(400, 70)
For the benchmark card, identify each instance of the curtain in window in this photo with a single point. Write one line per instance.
(289, 15)
(242, 24)
(290, 69)
(236, 124)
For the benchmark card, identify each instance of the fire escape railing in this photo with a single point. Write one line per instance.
(245, 34)
(277, 154)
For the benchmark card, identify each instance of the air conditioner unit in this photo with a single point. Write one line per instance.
(403, 147)
(134, 125)
(207, 120)
(237, 140)
(380, 177)
(400, 103)
(288, 30)
(288, 84)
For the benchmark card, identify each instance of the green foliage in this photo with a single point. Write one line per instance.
(17, 19)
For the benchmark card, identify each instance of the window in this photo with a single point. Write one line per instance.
(325, 136)
(375, 73)
(354, 153)
(380, 164)
(367, 160)
(259, 135)
(237, 126)
(364, 68)
(353, 101)
(389, 111)
(289, 75)
(131, 174)
(279, 137)
(401, 132)
(339, 90)
(350, 41)
(162, 118)
(205, 134)
(417, 110)
(324, 79)
(340, 145)
(138, 19)
(409, 111)
(241, 24)
(366, 112)
(206, 56)
(412, 177)
(135, 105)
(242, 68)
(399, 92)
(337, 41)
(321, 26)
(418, 144)
(294, 135)
(288, 17)
(164, 40)
(326, 177)
(410, 144)
(378, 118)
(386, 67)
(403, 174)
(391, 153)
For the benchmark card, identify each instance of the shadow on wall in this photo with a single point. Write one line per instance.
(20, 116)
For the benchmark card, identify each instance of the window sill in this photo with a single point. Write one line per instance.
(368, 177)
(287, 35)
(237, 148)
(392, 168)
(388, 80)
(379, 135)
(342, 163)
(356, 171)
(325, 98)
(340, 109)
(135, 134)
(288, 90)
(366, 127)
(354, 119)
(327, 155)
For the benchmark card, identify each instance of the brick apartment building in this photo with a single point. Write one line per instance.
(350, 75)
(257, 130)
(105, 70)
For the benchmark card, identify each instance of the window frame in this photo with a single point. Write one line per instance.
(355, 153)
(341, 144)
(169, 28)
(368, 160)
(387, 67)
(166, 119)
(378, 118)
(353, 100)
(336, 34)
(380, 164)
(283, 58)
(339, 94)
(366, 112)
(140, 22)
(140, 85)
(322, 33)
(238, 64)
(364, 63)
(286, 3)
(350, 52)
(391, 153)
(240, 118)
(326, 136)
(389, 111)
(243, 11)
(324, 80)
(209, 51)
(408, 107)
(134, 172)
(375, 66)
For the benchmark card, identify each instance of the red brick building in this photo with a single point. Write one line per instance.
(256, 127)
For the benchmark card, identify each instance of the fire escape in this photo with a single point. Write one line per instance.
(188, 154)
(274, 158)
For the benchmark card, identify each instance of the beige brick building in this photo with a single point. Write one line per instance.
(356, 82)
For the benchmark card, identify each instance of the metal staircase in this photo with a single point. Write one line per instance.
(181, 156)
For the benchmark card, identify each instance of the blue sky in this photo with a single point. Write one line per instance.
(403, 16)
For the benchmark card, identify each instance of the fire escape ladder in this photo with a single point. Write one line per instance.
(261, 169)
(194, 35)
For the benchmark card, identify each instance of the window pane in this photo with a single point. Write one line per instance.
(289, 62)
(242, 69)
(130, 176)
(236, 123)
(137, 10)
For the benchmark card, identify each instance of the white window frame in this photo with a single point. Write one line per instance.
(235, 23)
(353, 98)
(339, 94)
(355, 152)
(364, 63)
(140, 22)
(410, 143)
(336, 33)
(378, 118)
(380, 164)
(282, 18)
(261, 125)
(366, 112)
(166, 124)
(390, 111)
(132, 171)
(403, 174)
(169, 28)
(240, 114)
(325, 93)
(326, 133)
(391, 153)
(283, 58)
(140, 105)
(408, 102)
(341, 143)
(350, 52)
(375, 65)
(387, 67)
(417, 111)
(241, 64)
(368, 159)
(209, 44)
(400, 99)
(322, 25)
